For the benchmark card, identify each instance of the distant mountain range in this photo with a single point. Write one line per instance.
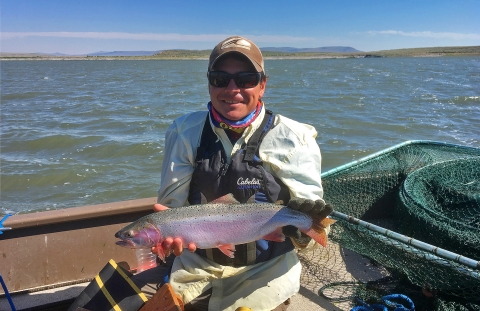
(344, 51)
(325, 49)
(124, 53)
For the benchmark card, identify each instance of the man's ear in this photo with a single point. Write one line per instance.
(263, 85)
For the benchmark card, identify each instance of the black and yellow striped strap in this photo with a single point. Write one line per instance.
(106, 292)
(112, 289)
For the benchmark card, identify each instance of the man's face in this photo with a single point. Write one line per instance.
(232, 102)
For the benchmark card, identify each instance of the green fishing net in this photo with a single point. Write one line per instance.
(425, 190)
(441, 205)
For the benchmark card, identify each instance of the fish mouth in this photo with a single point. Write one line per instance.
(124, 243)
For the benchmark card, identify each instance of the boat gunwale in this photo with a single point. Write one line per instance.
(79, 213)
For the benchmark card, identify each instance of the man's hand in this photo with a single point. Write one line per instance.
(170, 243)
(312, 208)
(291, 232)
(316, 208)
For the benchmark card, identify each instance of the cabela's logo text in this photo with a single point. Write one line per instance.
(248, 183)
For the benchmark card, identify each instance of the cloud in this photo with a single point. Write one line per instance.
(149, 36)
(428, 34)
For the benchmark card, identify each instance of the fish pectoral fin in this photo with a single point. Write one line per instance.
(276, 236)
(227, 249)
(251, 199)
(160, 252)
(226, 199)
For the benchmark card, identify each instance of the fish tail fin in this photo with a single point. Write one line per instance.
(318, 230)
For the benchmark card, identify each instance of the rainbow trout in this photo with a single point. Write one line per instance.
(222, 223)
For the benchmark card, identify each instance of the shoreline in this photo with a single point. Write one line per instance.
(110, 58)
(268, 55)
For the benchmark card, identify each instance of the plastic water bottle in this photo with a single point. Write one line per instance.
(145, 259)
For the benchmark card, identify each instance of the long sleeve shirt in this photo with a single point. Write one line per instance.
(289, 152)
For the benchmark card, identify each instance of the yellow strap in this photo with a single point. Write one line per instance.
(107, 294)
(139, 293)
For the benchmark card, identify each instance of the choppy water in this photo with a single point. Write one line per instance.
(87, 132)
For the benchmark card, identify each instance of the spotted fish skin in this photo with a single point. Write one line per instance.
(221, 225)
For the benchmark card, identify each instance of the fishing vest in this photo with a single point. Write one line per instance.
(243, 177)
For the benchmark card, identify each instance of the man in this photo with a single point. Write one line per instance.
(212, 153)
(237, 147)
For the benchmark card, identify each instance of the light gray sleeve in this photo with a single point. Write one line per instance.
(291, 153)
(181, 142)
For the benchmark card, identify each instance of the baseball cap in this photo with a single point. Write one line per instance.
(239, 45)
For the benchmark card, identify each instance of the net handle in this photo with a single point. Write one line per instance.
(440, 252)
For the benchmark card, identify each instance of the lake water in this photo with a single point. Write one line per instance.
(86, 132)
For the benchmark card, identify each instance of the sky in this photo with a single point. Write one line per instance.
(87, 26)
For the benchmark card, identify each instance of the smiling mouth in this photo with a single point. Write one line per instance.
(232, 102)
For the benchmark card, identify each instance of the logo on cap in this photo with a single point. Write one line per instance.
(236, 42)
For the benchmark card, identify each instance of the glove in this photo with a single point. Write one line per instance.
(312, 208)
(291, 232)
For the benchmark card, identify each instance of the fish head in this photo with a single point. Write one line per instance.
(139, 235)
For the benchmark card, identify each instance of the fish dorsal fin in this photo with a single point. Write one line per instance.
(226, 199)
(203, 199)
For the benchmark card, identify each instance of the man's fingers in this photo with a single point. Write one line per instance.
(174, 245)
(160, 252)
(327, 209)
(192, 247)
(177, 246)
(318, 206)
(294, 203)
(306, 206)
(167, 243)
(310, 207)
(291, 231)
(320, 203)
(165, 247)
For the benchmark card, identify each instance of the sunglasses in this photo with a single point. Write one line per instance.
(243, 80)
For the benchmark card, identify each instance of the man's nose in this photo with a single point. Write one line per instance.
(232, 85)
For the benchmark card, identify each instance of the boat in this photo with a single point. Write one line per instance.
(47, 258)
(58, 248)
